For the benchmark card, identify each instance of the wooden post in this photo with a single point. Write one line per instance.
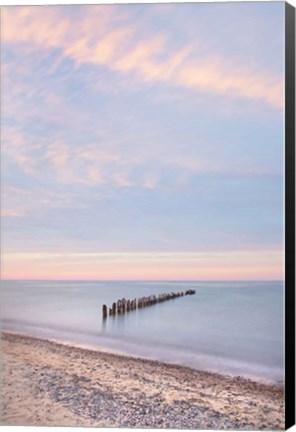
(114, 309)
(123, 305)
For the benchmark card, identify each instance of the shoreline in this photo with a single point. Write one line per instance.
(260, 379)
(49, 383)
(122, 356)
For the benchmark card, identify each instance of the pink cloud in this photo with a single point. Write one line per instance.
(137, 266)
(20, 202)
(99, 38)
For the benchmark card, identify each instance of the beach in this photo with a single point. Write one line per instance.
(45, 383)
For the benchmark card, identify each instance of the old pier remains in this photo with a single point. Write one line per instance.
(122, 305)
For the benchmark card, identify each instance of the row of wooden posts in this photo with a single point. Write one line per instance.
(122, 306)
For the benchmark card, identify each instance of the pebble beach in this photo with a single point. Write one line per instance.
(45, 383)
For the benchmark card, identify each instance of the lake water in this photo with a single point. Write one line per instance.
(234, 328)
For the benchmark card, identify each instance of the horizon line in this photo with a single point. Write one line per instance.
(144, 280)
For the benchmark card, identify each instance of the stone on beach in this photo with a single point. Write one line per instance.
(50, 384)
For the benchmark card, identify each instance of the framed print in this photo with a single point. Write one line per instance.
(148, 215)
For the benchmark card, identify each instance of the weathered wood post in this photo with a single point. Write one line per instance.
(123, 305)
(190, 292)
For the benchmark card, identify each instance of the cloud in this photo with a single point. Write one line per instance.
(83, 129)
(113, 148)
(15, 146)
(151, 181)
(249, 265)
(102, 37)
(216, 167)
(108, 167)
(12, 213)
(21, 202)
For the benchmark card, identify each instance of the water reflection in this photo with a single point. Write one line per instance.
(232, 322)
(120, 322)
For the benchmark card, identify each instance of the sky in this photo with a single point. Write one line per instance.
(143, 142)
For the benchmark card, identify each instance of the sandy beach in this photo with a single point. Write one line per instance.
(45, 383)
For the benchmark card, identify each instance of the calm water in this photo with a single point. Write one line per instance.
(229, 327)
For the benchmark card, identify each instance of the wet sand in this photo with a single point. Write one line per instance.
(48, 384)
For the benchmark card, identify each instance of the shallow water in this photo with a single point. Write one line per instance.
(233, 328)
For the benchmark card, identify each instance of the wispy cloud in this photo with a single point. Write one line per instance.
(148, 59)
(33, 203)
(265, 264)
(96, 166)
(135, 129)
